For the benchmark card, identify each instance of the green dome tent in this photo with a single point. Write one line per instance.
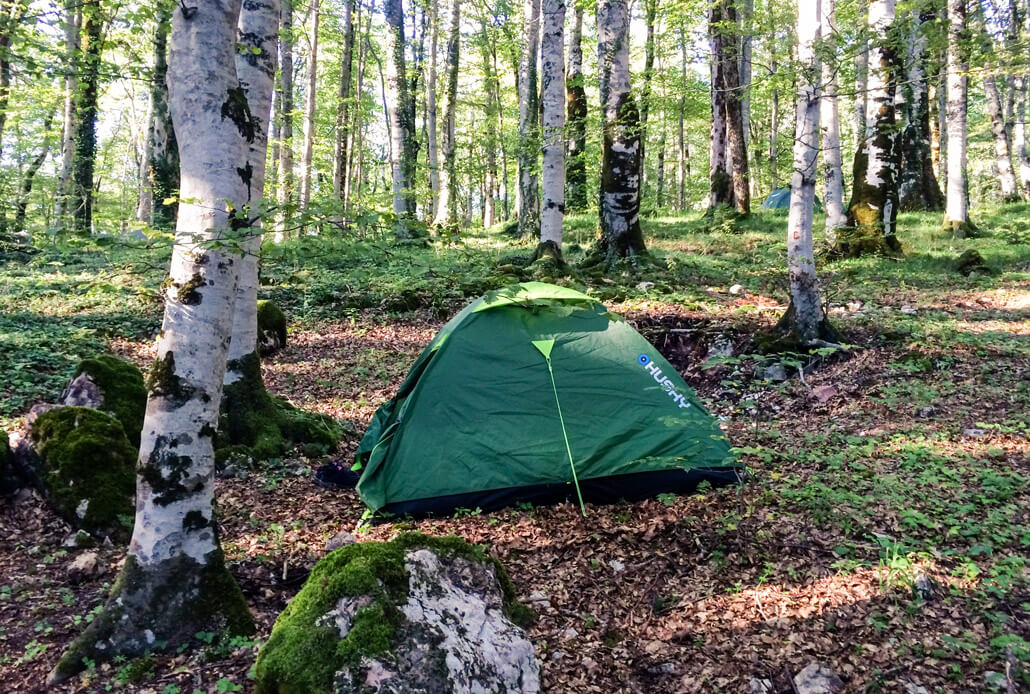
(779, 199)
(536, 393)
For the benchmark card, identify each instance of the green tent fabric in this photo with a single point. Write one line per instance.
(779, 199)
(537, 393)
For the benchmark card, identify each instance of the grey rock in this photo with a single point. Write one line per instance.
(926, 412)
(924, 587)
(824, 393)
(454, 637)
(340, 539)
(86, 566)
(737, 290)
(759, 686)
(82, 392)
(910, 310)
(911, 688)
(570, 633)
(617, 566)
(973, 432)
(539, 600)
(644, 286)
(79, 540)
(557, 655)
(720, 347)
(775, 372)
(817, 678)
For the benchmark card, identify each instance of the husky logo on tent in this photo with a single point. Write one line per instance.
(661, 380)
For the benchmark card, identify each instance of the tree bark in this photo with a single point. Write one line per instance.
(805, 315)
(833, 178)
(552, 57)
(683, 156)
(862, 74)
(1019, 139)
(1002, 151)
(873, 210)
(432, 144)
(161, 164)
(735, 138)
(340, 154)
(490, 117)
(310, 100)
(86, 98)
(576, 165)
(650, 15)
(956, 212)
(174, 582)
(27, 178)
(73, 44)
(917, 183)
(746, 15)
(285, 178)
(402, 129)
(447, 209)
(620, 160)
(720, 178)
(529, 111)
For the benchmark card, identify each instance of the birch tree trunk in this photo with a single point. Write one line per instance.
(552, 55)
(432, 146)
(1002, 151)
(746, 15)
(774, 132)
(805, 317)
(161, 165)
(402, 130)
(683, 158)
(735, 138)
(529, 139)
(917, 184)
(873, 210)
(25, 188)
(310, 99)
(174, 582)
(862, 74)
(447, 209)
(956, 212)
(833, 178)
(720, 181)
(340, 153)
(72, 42)
(620, 159)
(576, 165)
(1019, 139)
(285, 182)
(86, 98)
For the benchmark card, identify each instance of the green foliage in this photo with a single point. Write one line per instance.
(87, 467)
(121, 383)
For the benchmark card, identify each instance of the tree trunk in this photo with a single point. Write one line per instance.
(490, 122)
(719, 173)
(340, 155)
(1019, 139)
(917, 183)
(576, 165)
(447, 210)
(27, 178)
(552, 58)
(956, 213)
(285, 187)
(620, 158)
(529, 109)
(682, 161)
(356, 152)
(735, 138)
(432, 146)
(862, 74)
(161, 165)
(873, 210)
(805, 316)
(86, 117)
(174, 582)
(401, 129)
(774, 131)
(1002, 152)
(650, 15)
(310, 99)
(73, 44)
(747, 12)
(833, 178)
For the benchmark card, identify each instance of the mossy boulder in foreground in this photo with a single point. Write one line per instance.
(113, 385)
(415, 614)
(85, 467)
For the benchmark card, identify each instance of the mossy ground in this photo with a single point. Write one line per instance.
(121, 383)
(85, 455)
(302, 655)
(257, 425)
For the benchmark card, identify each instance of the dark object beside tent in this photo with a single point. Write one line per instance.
(779, 199)
(537, 393)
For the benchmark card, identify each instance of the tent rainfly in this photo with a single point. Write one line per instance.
(537, 393)
(779, 199)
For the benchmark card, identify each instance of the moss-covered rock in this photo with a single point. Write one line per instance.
(9, 482)
(971, 261)
(271, 324)
(86, 469)
(352, 609)
(256, 425)
(121, 386)
(865, 239)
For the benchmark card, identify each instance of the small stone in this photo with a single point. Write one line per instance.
(79, 540)
(817, 678)
(909, 309)
(775, 372)
(911, 688)
(737, 290)
(973, 432)
(617, 566)
(85, 566)
(824, 393)
(570, 634)
(924, 587)
(926, 412)
(539, 600)
(82, 392)
(340, 539)
(644, 286)
(720, 347)
(761, 686)
(588, 663)
(82, 509)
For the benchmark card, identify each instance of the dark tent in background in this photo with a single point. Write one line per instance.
(779, 199)
(537, 393)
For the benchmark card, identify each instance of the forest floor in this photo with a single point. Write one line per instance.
(884, 531)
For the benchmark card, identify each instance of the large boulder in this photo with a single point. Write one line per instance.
(85, 466)
(114, 385)
(271, 327)
(418, 614)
